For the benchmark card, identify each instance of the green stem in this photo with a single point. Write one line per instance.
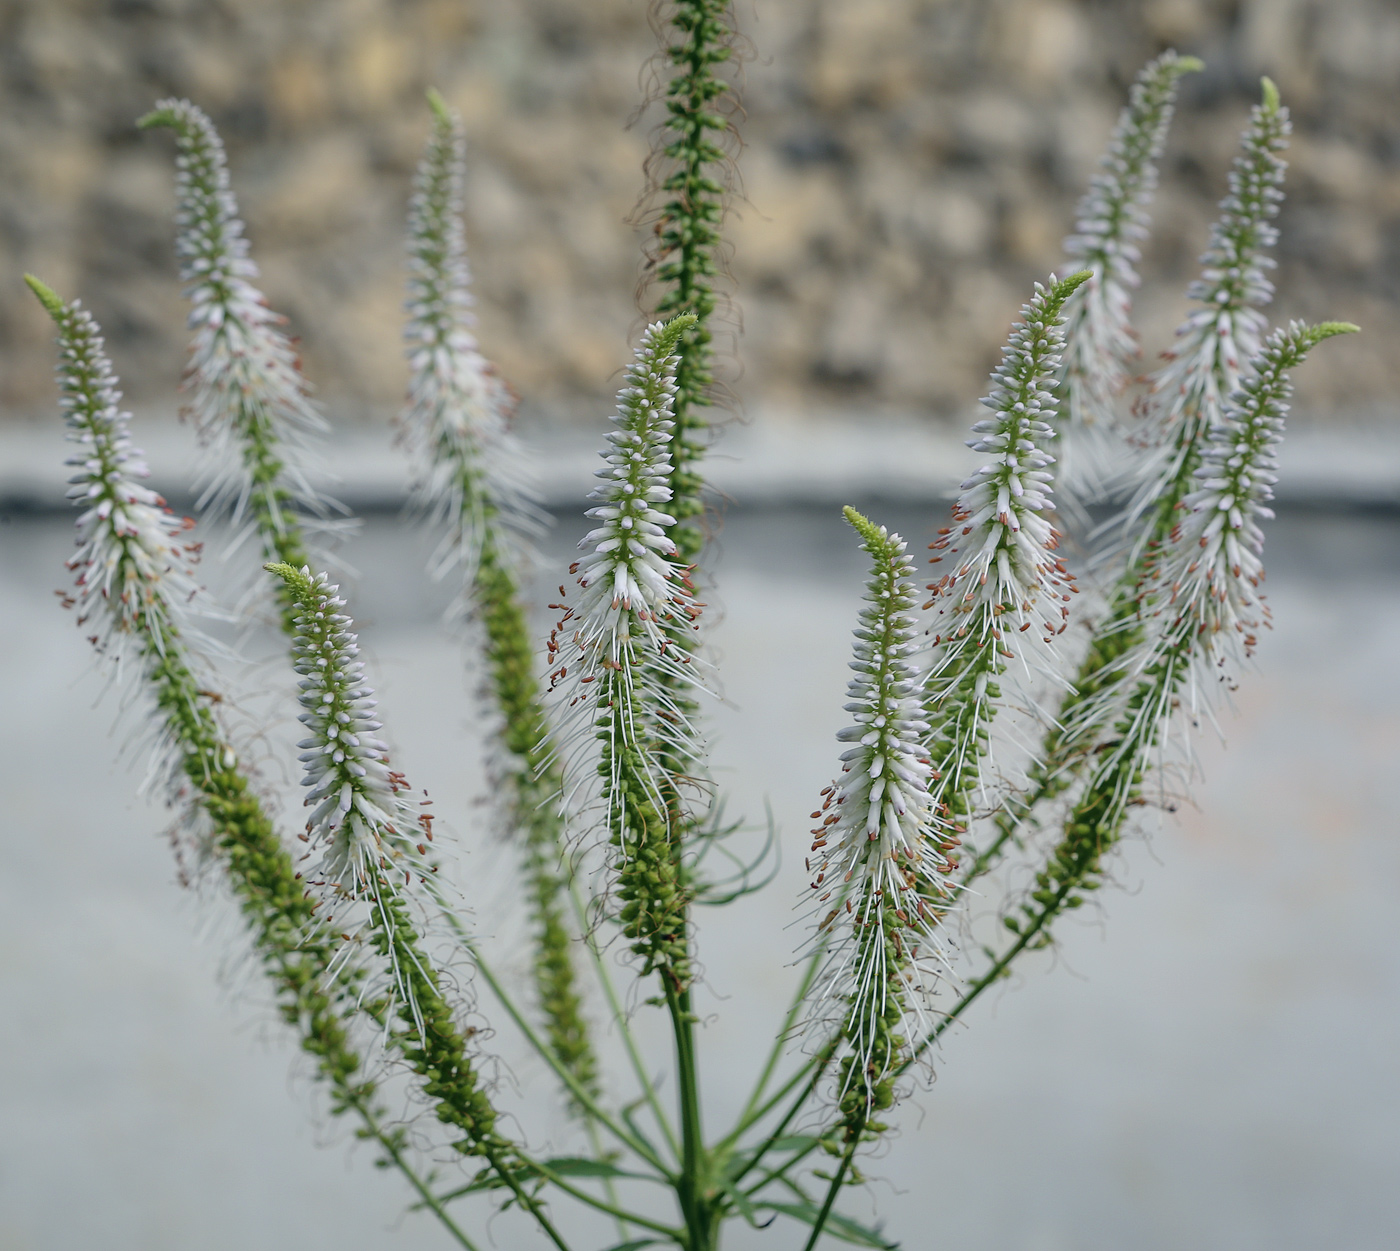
(609, 1187)
(546, 1053)
(779, 1174)
(831, 1191)
(510, 656)
(619, 1017)
(429, 1200)
(601, 1205)
(696, 1205)
(818, 1065)
(776, 1051)
(273, 507)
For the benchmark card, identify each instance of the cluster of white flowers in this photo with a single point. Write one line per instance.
(473, 477)
(364, 822)
(1200, 603)
(881, 857)
(610, 651)
(1217, 341)
(246, 393)
(368, 833)
(136, 593)
(1207, 588)
(1111, 221)
(134, 556)
(1004, 546)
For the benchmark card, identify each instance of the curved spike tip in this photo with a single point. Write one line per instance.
(671, 332)
(862, 524)
(48, 297)
(1326, 329)
(439, 106)
(1063, 288)
(157, 117)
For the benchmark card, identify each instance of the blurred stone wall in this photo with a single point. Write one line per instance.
(910, 167)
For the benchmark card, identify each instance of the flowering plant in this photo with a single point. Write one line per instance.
(979, 730)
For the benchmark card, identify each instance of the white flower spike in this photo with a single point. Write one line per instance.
(473, 479)
(1100, 346)
(1216, 342)
(613, 658)
(1200, 600)
(134, 562)
(881, 857)
(1007, 579)
(363, 822)
(371, 838)
(136, 592)
(249, 400)
(1208, 585)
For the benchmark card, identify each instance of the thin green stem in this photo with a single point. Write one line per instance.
(779, 1174)
(620, 1020)
(695, 1205)
(776, 1051)
(546, 1053)
(429, 1200)
(831, 1191)
(529, 1202)
(510, 656)
(818, 1064)
(993, 975)
(601, 1205)
(609, 1188)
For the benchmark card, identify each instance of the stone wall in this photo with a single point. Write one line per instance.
(910, 167)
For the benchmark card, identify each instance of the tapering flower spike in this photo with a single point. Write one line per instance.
(372, 841)
(693, 173)
(369, 835)
(1207, 587)
(1216, 342)
(472, 485)
(1007, 579)
(249, 400)
(1199, 600)
(456, 419)
(135, 581)
(362, 821)
(881, 857)
(613, 658)
(1185, 403)
(1111, 222)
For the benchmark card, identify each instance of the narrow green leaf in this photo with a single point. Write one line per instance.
(840, 1227)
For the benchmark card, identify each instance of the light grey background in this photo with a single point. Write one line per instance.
(1207, 1061)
